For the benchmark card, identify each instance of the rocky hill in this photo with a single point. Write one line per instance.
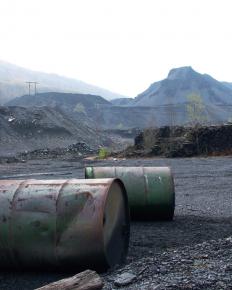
(13, 78)
(182, 82)
(172, 95)
(229, 85)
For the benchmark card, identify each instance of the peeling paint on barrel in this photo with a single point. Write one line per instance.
(150, 190)
(59, 223)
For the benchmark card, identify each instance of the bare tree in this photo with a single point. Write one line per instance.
(171, 117)
(196, 110)
(196, 114)
(149, 134)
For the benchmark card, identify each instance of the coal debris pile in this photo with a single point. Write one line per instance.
(202, 266)
(182, 141)
(35, 128)
(79, 149)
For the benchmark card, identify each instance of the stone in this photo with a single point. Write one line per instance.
(125, 279)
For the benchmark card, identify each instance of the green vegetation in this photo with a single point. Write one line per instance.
(196, 114)
(103, 153)
(120, 126)
(196, 110)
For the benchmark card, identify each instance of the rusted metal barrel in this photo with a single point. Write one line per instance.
(74, 223)
(150, 190)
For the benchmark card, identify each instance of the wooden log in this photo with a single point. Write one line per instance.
(87, 280)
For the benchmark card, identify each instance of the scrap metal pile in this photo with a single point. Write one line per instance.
(80, 223)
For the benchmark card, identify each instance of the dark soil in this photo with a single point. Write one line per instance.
(192, 252)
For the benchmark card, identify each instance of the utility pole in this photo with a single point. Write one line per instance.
(35, 83)
(29, 87)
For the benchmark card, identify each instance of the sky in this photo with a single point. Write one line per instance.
(120, 45)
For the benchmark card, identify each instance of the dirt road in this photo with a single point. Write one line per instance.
(192, 252)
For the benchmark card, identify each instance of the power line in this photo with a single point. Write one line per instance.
(29, 87)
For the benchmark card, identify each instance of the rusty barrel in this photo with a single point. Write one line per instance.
(74, 223)
(150, 190)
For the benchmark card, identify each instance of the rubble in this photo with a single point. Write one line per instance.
(182, 142)
(78, 150)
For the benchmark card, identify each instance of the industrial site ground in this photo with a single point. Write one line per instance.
(194, 251)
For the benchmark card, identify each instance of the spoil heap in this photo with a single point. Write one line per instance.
(182, 142)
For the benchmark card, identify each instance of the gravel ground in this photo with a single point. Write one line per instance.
(192, 252)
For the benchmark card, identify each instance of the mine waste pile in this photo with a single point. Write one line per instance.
(182, 142)
(44, 128)
(80, 224)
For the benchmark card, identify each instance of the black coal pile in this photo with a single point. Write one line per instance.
(77, 150)
(182, 141)
(27, 129)
(202, 266)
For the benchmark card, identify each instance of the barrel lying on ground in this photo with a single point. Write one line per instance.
(150, 190)
(63, 223)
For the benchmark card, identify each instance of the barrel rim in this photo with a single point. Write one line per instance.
(127, 215)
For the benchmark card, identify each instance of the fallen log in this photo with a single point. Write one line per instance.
(87, 280)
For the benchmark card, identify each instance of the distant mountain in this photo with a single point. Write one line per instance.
(229, 85)
(170, 96)
(182, 82)
(13, 78)
(122, 101)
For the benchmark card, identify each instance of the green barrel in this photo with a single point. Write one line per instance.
(74, 223)
(150, 190)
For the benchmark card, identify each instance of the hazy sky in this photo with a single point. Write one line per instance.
(121, 45)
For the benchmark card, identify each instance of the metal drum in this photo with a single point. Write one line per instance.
(74, 223)
(150, 190)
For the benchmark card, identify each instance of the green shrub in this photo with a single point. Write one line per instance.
(103, 153)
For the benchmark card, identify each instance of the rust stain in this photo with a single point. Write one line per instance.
(86, 231)
(86, 194)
